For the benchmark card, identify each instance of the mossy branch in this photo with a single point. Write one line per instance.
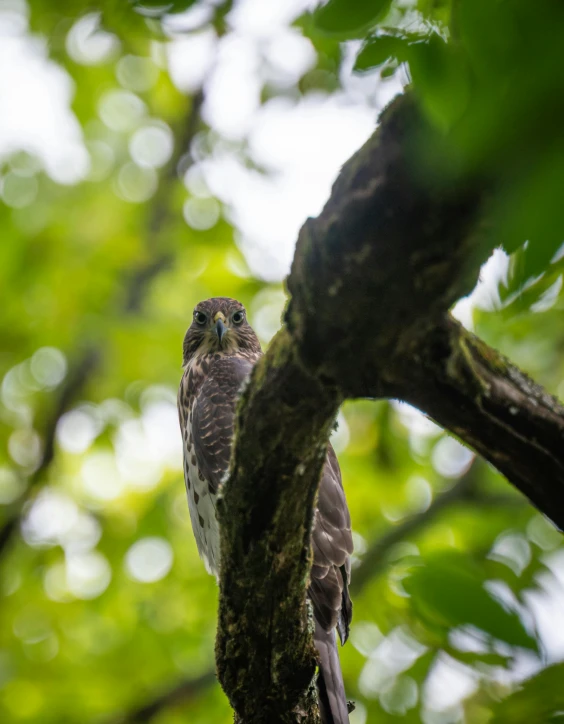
(265, 655)
(476, 393)
(373, 277)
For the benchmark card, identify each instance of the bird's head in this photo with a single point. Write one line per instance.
(219, 325)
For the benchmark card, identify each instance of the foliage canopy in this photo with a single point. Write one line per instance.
(106, 606)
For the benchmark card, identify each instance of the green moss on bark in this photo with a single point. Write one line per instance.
(373, 278)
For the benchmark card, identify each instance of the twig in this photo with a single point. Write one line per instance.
(77, 377)
(141, 278)
(182, 692)
(374, 559)
(136, 285)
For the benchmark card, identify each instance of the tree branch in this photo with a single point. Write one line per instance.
(135, 286)
(399, 241)
(396, 245)
(182, 692)
(264, 651)
(473, 391)
(463, 491)
(82, 369)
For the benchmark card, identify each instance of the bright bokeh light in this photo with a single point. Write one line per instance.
(201, 214)
(391, 656)
(450, 458)
(24, 447)
(88, 44)
(448, 684)
(151, 146)
(78, 429)
(136, 74)
(149, 559)
(38, 94)
(88, 574)
(50, 518)
(49, 366)
(136, 184)
(100, 476)
(121, 110)
(190, 58)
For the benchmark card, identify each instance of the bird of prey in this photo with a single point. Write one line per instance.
(219, 351)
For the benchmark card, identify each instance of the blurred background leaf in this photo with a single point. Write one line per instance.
(349, 18)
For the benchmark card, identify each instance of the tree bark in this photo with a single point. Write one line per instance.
(264, 650)
(477, 394)
(400, 240)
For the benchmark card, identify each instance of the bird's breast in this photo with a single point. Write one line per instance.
(203, 514)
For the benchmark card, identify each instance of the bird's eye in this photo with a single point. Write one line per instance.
(238, 317)
(200, 317)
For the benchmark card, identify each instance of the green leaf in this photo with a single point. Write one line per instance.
(156, 8)
(448, 591)
(474, 657)
(518, 299)
(349, 18)
(537, 700)
(532, 211)
(380, 48)
(440, 77)
(388, 70)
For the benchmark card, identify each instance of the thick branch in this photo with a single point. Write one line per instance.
(395, 246)
(372, 280)
(477, 394)
(264, 652)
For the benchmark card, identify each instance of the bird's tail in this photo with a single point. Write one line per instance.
(330, 686)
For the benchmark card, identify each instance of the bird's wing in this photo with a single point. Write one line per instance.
(332, 547)
(213, 417)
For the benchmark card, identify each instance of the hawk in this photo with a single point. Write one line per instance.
(219, 351)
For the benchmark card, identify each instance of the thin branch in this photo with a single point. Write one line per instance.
(78, 375)
(181, 693)
(159, 259)
(375, 559)
(136, 285)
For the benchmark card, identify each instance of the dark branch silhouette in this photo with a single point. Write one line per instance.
(464, 492)
(373, 278)
(181, 693)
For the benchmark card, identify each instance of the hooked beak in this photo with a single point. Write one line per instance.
(220, 329)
